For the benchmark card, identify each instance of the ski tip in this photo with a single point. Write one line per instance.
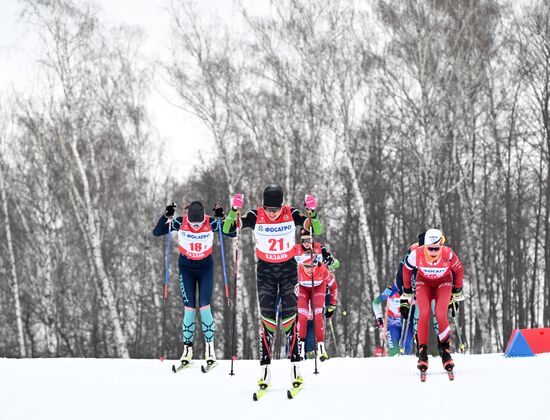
(423, 376)
(255, 397)
(203, 369)
(174, 368)
(289, 395)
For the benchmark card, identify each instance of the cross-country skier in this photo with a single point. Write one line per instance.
(196, 270)
(320, 250)
(393, 321)
(439, 274)
(310, 269)
(274, 227)
(405, 304)
(324, 255)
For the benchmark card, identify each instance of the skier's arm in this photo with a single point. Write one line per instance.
(328, 259)
(408, 267)
(230, 224)
(377, 302)
(333, 288)
(458, 271)
(301, 220)
(162, 225)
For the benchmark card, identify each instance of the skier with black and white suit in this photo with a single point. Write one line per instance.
(274, 226)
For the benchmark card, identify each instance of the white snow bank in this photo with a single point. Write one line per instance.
(486, 387)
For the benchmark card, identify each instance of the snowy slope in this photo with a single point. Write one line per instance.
(486, 387)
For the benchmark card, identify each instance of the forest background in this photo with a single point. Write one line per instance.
(397, 115)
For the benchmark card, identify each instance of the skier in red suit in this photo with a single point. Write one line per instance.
(322, 279)
(439, 275)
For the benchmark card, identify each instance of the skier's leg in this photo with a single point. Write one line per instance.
(303, 312)
(310, 340)
(442, 298)
(267, 295)
(319, 296)
(423, 299)
(288, 288)
(434, 319)
(187, 288)
(393, 332)
(206, 281)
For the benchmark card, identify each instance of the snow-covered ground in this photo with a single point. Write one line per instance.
(486, 387)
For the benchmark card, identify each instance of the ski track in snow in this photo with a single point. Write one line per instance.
(485, 387)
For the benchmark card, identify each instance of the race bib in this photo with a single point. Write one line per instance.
(275, 241)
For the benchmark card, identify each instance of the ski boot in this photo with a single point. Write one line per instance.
(209, 353)
(422, 364)
(187, 355)
(444, 350)
(295, 376)
(323, 355)
(265, 377)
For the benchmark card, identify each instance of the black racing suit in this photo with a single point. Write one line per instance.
(277, 279)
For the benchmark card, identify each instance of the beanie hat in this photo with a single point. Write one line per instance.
(273, 196)
(195, 212)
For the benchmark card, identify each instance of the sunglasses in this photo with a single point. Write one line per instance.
(306, 239)
(272, 209)
(307, 265)
(434, 248)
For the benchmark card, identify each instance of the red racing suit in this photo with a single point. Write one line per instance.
(322, 278)
(434, 280)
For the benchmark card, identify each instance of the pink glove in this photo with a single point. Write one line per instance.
(238, 201)
(311, 203)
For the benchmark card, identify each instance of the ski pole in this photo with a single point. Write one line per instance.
(223, 263)
(333, 336)
(167, 270)
(461, 345)
(235, 276)
(313, 262)
(406, 325)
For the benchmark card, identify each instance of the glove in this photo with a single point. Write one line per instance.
(329, 311)
(218, 211)
(238, 201)
(310, 202)
(458, 295)
(170, 210)
(379, 323)
(405, 303)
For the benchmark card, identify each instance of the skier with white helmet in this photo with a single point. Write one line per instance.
(439, 275)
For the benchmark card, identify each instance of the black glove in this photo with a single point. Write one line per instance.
(379, 323)
(405, 303)
(170, 210)
(218, 211)
(330, 310)
(405, 306)
(329, 260)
